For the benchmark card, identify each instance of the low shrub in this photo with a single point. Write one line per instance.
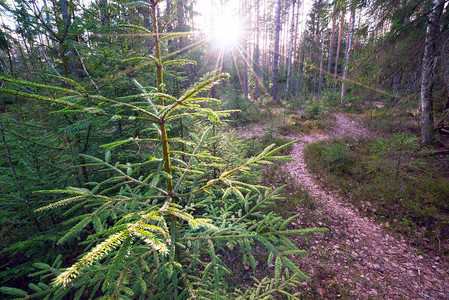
(389, 122)
(337, 157)
(394, 152)
(313, 109)
(295, 124)
(331, 99)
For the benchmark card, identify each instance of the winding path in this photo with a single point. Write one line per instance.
(359, 260)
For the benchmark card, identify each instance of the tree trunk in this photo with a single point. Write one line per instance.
(348, 51)
(290, 50)
(301, 65)
(331, 43)
(245, 59)
(256, 55)
(264, 71)
(428, 73)
(75, 67)
(180, 21)
(396, 81)
(340, 32)
(274, 90)
(320, 79)
(299, 56)
(250, 46)
(103, 13)
(72, 68)
(166, 21)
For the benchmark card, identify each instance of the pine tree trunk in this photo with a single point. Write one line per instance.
(283, 42)
(300, 66)
(180, 21)
(320, 79)
(340, 32)
(299, 57)
(331, 43)
(348, 51)
(256, 55)
(250, 50)
(290, 50)
(315, 58)
(265, 70)
(245, 60)
(428, 73)
(296, 26)
(274, 90)
(167, 22)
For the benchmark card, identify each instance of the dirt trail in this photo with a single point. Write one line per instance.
(359, 260)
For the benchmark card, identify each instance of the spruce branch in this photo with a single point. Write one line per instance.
(118, 103)
(204, 85)
(136, 27)
(97, 253)
(70, 81)
(41, 86)
(264, 157)
(178, 62)
(60, 203)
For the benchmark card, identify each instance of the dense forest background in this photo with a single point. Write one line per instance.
(119, 177)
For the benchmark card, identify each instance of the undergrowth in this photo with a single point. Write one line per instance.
(294, 196)
(388, 122)
(296, 124)
(389, 180)
(271, 136)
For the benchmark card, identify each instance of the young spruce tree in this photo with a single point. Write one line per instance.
(159, 228)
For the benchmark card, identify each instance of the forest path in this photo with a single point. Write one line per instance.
(358, 259)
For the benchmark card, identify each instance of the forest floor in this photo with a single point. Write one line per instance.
(358, 259)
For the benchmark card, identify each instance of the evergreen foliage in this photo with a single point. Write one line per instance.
(146, 212)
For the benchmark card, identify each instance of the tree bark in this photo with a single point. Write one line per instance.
(331, 42)
(256, 55)
(299, 57)
(103, 13)
(290, 50)
(340, 32)
(245, 59)
(301, 67)
(274, 90)
(75, 68)
(180, 21)
(320, 79)
(264, 70)
(428, 73)
(348, 51)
